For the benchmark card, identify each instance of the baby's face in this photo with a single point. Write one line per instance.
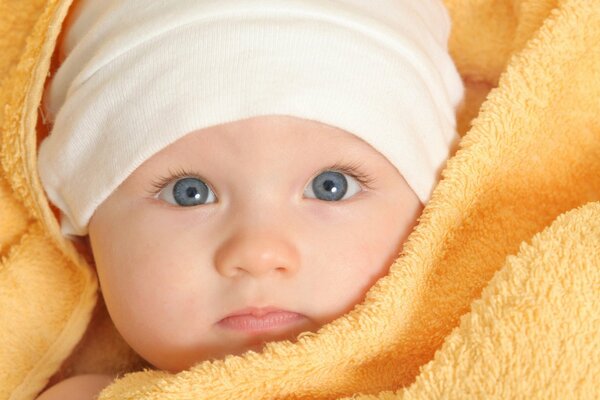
(259, 219)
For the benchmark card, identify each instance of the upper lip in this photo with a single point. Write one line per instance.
(256, 311)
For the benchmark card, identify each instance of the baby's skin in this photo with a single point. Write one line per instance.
(270, 211)
(82, 387)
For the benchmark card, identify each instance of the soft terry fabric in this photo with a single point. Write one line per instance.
(497, 292)
(140, 75)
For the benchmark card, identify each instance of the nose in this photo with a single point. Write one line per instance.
(256, 254)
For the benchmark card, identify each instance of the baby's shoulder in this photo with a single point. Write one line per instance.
(80, 387)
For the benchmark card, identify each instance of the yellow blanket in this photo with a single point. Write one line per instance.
(497, 291)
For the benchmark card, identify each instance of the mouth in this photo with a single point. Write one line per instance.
(254, 319)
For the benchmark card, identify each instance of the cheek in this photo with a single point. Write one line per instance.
(350, 254)
(151, 284)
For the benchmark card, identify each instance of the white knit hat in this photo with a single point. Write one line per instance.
(138, 75)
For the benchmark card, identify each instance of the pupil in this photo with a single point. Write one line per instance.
(329, 185)
(192, 192)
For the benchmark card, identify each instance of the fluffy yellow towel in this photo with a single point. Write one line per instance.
(497, 291)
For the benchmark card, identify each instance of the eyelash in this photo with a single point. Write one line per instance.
(352, 169)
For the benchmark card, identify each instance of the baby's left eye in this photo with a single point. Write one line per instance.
(332, 186)
(187, 192)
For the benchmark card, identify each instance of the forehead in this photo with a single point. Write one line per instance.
(267, 137)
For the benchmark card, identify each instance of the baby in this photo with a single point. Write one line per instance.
(243, 171)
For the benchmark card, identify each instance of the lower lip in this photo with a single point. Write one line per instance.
(251, 323)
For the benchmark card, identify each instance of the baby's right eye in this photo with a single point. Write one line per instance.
(187, 192)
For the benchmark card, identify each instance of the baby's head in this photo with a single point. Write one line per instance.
(227, 155)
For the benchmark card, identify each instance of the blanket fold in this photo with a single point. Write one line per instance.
(523, 337)
(495, 295)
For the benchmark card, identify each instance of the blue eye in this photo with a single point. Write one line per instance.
(331, 186)
(187, 192)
